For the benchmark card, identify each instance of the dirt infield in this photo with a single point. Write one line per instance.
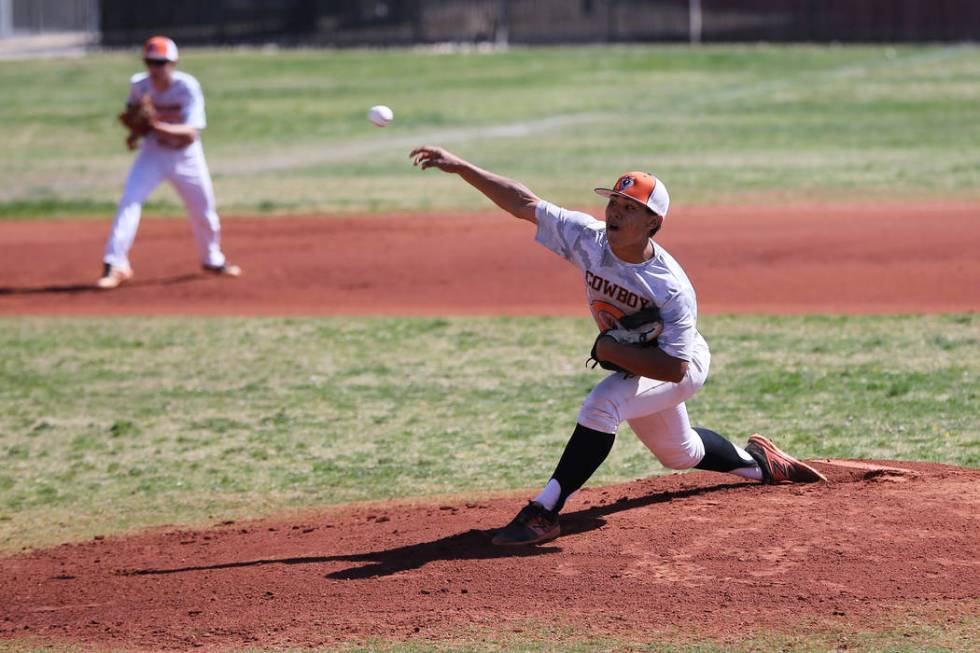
(801, 259)
(699, 554)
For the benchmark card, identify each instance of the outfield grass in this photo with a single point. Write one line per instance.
(287, 130)
(117, 424)
(547, 637)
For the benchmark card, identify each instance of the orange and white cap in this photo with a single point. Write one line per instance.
(160, 48)
(643, 188)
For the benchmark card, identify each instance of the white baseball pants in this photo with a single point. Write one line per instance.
(654, 410)
(188, 172)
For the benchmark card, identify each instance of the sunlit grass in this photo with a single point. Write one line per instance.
(287, 130)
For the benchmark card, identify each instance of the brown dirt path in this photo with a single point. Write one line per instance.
(799, 259)
(694, 554)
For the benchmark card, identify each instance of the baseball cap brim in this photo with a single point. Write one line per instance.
(609, 192)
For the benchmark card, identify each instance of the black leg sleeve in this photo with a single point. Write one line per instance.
(583, 454)
(719, 454)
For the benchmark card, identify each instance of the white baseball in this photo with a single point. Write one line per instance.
(380, 115)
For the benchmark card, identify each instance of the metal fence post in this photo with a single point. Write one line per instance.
(694, 21)
(6, 18)
(502, 35)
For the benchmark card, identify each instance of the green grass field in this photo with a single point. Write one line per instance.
(287, 130)
(117, 424)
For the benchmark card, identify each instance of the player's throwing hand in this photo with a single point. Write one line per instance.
(435, 157)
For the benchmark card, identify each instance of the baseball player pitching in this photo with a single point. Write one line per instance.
(166, 111)
(647, 312)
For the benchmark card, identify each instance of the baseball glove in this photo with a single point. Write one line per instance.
(640, 329)
(138, 119)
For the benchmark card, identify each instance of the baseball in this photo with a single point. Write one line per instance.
(380, 115)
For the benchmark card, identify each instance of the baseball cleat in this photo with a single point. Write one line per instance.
(778, 466)
(226, 270)
(534, 524)
(113, 276)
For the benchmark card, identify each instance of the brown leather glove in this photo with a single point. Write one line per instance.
(138, 119)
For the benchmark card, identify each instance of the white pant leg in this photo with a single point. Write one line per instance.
(146, 173)
(192, 181)
(669, 436)
(655, 411)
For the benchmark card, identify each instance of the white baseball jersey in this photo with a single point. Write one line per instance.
(616, 288)
(181, 104)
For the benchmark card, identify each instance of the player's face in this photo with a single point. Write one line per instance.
(160, 70)
(628, 223)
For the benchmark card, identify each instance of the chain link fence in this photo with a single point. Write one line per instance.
(33, 17)
(402, 22)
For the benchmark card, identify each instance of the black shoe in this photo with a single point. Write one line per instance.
(534, 524)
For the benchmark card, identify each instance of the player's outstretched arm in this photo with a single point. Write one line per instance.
(512, 196)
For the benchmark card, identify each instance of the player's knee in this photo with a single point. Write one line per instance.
(681, 456)
(678, 460)
(600, 414)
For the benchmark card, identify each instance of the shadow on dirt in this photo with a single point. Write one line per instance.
(83, 288)
(468, 545)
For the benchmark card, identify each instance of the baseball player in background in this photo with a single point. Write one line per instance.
(171, 149)
(625, 273)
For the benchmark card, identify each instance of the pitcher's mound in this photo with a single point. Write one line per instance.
(694, 555)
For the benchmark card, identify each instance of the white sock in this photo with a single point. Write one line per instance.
(754, 472)
(744, 455)
(548, 497)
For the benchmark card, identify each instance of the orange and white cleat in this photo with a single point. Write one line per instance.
(778, 466)
(113, 276)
